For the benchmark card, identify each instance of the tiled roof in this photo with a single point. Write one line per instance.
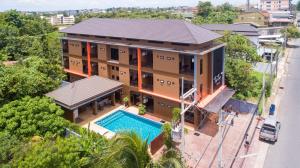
(244, 29)
(81, 91)
(175, 31)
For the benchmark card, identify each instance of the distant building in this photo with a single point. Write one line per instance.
(254, 17)
(60, 19)
(280, 18)
(275, 5)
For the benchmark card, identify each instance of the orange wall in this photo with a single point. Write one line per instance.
(166, 61)
(74, 47)
(124, 55)
(75, 64)
(169, 88)
(102, 52)
(103, 70)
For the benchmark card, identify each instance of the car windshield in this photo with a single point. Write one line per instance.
(268, 129)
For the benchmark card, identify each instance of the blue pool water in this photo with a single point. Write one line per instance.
(124, 121)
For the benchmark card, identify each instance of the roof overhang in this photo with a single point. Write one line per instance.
(192, 52)
(216, 104)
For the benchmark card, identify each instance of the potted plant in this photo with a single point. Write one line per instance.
(142, 109)
(126, 100)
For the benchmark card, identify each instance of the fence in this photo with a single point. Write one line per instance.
(157, 143)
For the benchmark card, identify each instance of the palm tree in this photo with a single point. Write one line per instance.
(131, 150)
(170, 159)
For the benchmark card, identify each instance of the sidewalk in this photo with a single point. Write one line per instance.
(202, 150)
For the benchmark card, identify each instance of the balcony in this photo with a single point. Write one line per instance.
(147, 58)
(133, 78)
(186, 64)
(133, 56)
(65, 46)
(94, 68)
(66, 62)
(83, 49)
(188, 85)
(147, 81)
(114, 54)
(94, 50)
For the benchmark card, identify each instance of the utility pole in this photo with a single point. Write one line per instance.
(263, 89)
(220, 152)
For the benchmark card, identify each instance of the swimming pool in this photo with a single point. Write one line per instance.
(125, 121)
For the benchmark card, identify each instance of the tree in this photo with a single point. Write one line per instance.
(239, 47)
(298, 6)
(240, 77)
(291, 32)
(204, 8)
(32, 116)
(132, 151)
(32, 77)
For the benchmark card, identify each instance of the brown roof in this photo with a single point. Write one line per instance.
(176, 31)
(83, 91)
(244, 29)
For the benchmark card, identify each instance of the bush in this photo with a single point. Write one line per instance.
(142, 109)
(126, 100)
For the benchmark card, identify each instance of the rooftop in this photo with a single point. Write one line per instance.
(244, 29)
(75, 94)
(174, 31)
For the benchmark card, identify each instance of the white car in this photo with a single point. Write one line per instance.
(269, 130)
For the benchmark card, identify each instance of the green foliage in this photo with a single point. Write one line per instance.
(126, 100)
(32, 116)
(172, 159)
(239, 47)
(167, 129)
(176, 114)
(142, 109)
(205, 8)
(223, 14)
(298, 6)
(26, 35)
(240, 76)
(32, 77)
(85, 151)
(9, 146)
(131, 13)
(291, 32)
(131, 150)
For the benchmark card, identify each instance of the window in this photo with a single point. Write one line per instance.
(113, 76)
(117, 68)
(201, 66)
(113, 68)
(118, 78)
(94, 50)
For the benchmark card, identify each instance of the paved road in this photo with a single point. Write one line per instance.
(286, 152)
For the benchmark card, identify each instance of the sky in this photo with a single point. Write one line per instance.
(50, 5)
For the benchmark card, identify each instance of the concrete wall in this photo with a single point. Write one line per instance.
(166, 85)
(166, 61)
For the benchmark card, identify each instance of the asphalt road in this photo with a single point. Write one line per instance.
(285, 153)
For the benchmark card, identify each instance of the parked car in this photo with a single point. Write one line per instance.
(270, 129)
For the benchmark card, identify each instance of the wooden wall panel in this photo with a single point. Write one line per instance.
(102, 52)
(166, 85)
(164, 107)
(103, 70)
(166, 61)
(74, 47)
(124, 75)
(75, 64)
(123, 55)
